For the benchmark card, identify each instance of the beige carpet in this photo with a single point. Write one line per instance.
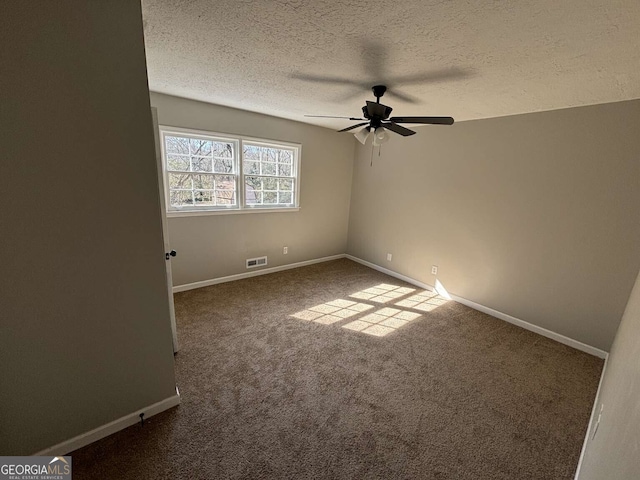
(338, 371)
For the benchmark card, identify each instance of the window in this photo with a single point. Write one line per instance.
(214, 173)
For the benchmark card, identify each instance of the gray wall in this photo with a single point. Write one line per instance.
(214, 246)
(535, 215)
(613, 452)
(84, 309)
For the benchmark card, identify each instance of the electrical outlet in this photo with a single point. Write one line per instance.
(389, 257)
(285, 250)
(434, 269)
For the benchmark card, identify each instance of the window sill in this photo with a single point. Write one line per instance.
(200, 213)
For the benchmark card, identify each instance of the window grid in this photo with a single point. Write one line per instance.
(208, 173)
(269, 175)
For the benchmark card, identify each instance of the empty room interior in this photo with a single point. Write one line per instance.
(286, 239)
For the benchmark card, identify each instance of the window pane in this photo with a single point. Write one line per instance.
(285, 184)
(268, 168)
(177, 144)
(225, 182)
(270, 155)
(225, 197)
(251, 152)
(285, 157)
(178, 162)
(284, 197)
(270, 197)
(201, 164)
(251, 168)
(284, 170)
(223, 165)
(180, 198)
(228, 180)
(253, 197)
(204, 182)
(204, 197)
(269, 183)
(253, 183)
(180, 180)
(222, 150)
(200, 148)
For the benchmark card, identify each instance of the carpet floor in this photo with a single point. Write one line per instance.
(337, 371)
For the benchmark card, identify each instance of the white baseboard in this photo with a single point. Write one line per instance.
(264, 271)
(533, 328)
(594, 411)
(111, 427)
(494, 313)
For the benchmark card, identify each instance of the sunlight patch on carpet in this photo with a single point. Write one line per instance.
(405, 306)
(424, 301)
(332, 312)
(382, 293)
(382, 322)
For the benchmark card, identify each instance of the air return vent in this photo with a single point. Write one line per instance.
(256, 262)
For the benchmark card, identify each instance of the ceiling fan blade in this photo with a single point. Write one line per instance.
(403, 96)
(378, 110)
(331, 116)
(353, 126)
(350, 93)
(405, 132)
(423, 120)
(433, 76)
(324, 79)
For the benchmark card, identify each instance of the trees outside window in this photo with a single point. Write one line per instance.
(209, 172)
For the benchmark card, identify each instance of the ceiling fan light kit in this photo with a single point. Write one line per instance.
(377, 120)
(362, 135)
(380, 136)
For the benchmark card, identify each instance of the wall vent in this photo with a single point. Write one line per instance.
(256, 262)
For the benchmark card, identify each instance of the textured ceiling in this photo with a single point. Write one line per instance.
(468, 59)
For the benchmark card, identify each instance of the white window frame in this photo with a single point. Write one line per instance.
(238, 141)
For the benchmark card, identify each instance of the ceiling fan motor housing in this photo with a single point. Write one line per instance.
(378, 91)
(384, 116)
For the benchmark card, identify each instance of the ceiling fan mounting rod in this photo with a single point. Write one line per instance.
(378, 91)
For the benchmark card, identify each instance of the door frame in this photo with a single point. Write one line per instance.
(165, 228)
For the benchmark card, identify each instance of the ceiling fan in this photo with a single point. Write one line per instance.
(376, 120)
